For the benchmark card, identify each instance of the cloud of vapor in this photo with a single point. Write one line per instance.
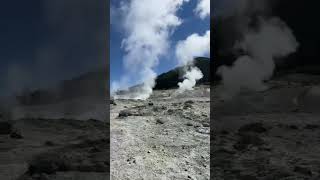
(191, 77)
(203, 8)
(194, 45)
(148, 25)
(272, 39)
(186, 50)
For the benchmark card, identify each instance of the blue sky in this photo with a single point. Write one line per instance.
(45, 41)
(191, 24)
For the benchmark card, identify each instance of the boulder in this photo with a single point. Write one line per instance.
(125, 113)
(5, 127)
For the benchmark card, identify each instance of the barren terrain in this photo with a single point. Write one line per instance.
(269, 135)
(164, 137)
(50, 143)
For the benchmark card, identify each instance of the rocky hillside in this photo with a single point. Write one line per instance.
(171, 78)
(165, 137)
(94, 84)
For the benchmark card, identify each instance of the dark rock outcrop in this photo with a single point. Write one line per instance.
(5, 127)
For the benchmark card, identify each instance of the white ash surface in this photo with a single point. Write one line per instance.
(164, 137)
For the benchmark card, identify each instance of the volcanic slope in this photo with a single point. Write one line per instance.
(164, 137)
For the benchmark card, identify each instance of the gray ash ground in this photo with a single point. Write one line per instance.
(164, 137)
(269, 135)
(54, 149)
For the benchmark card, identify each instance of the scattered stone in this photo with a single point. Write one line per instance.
(160, 121)
(44, 166)
(174, 104)
(170, 111)
(253, 127)
(93, 120)
(94, 149)
(299, 143)
(187, 106)
(280, 173)
(296, 110)
(293, 127)
(203, 130)
(187, 117)
(189, 102)
(16, 134)
(312, 126)
(79, 157)
(189, 124)
(248, 139)
(205, 124)
(224, 151)
(131, 160)
(204, 115)
(159, 108)
(303, 170)
(49, 143)
(150, 103)
(125, 113)
(92, 167)
(247, 177)
(113, 102)
(5, 127)
(224, 132)
(196, 125)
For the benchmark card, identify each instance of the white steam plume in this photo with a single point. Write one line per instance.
(191, 78)
(193, 46)
(148, 25)
(203, 8)
(272, 40)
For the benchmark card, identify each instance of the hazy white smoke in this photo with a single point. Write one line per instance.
(191, 78)
(194, 45)
(186, 50)
(203, 8)
(272, 40)
(148, 25)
